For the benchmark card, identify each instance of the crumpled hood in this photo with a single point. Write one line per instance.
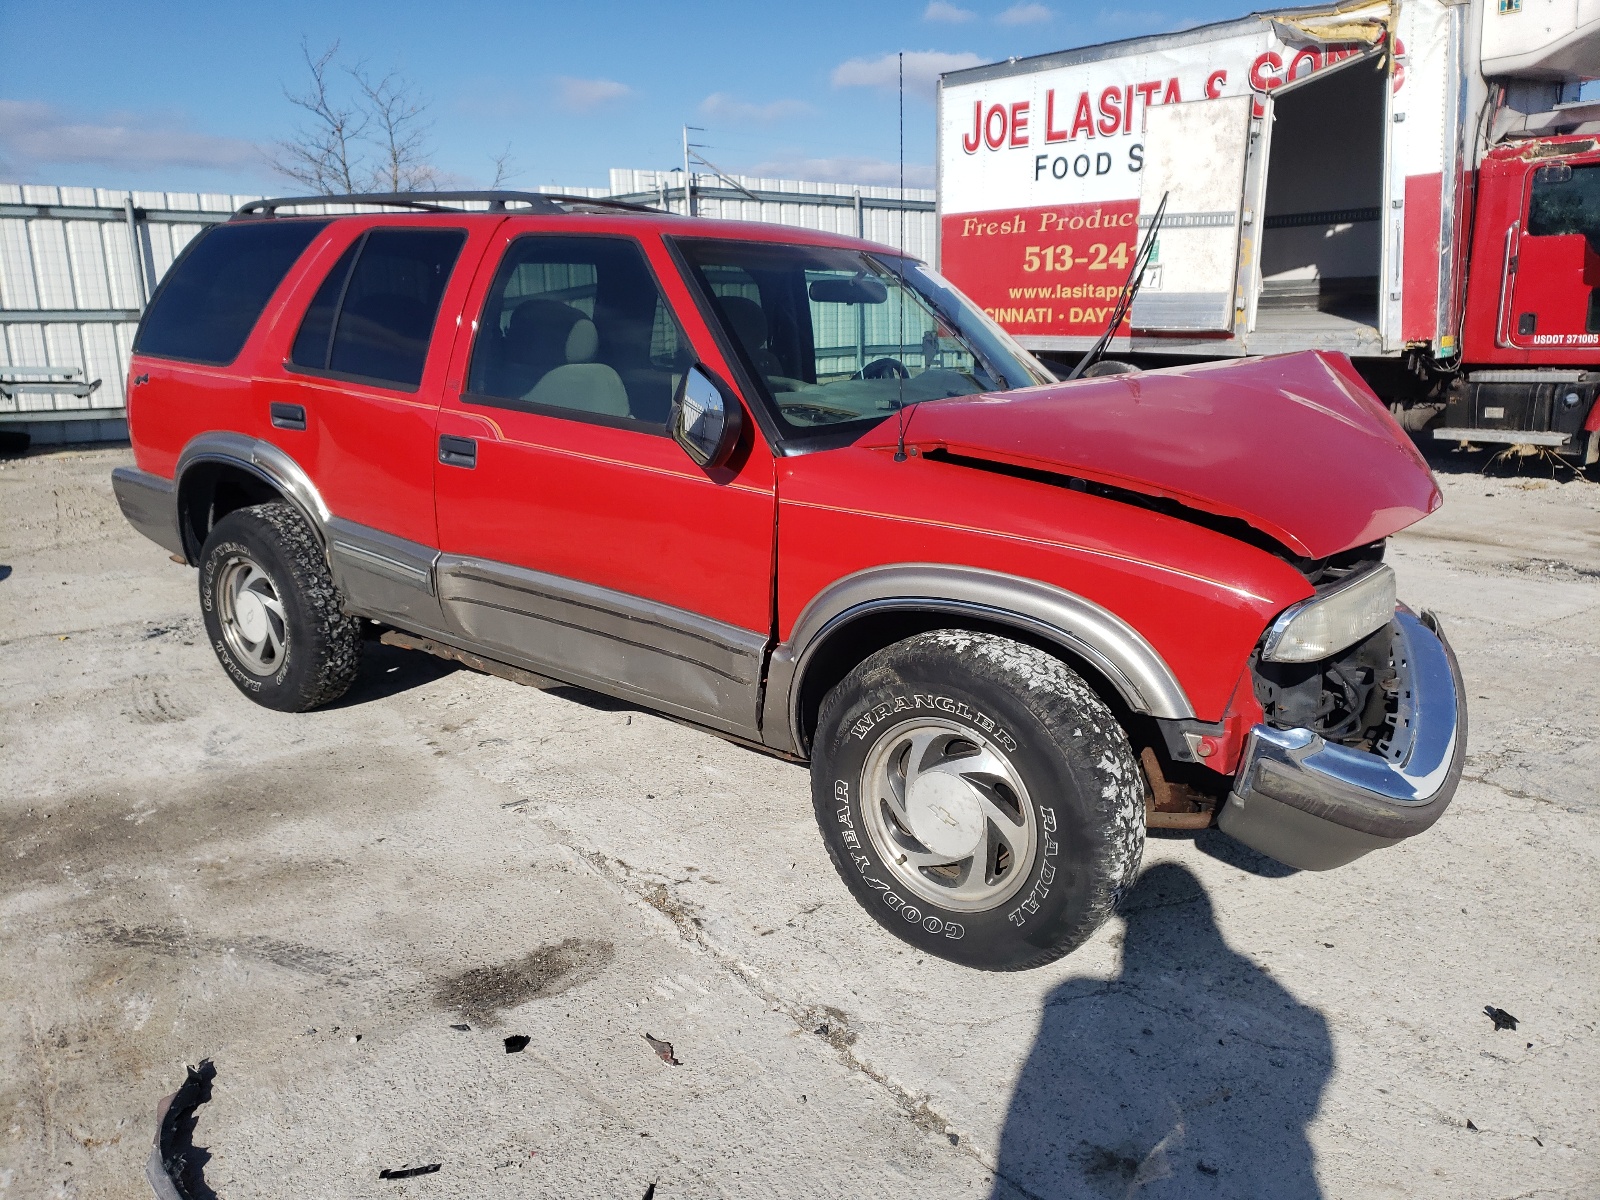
(1295, 445)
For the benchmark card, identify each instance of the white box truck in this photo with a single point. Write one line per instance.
(1415, 183)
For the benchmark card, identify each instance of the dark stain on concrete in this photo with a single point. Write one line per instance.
(482, 993)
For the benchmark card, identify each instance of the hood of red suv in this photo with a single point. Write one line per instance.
(1296, 445)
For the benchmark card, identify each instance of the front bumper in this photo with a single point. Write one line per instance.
(1316, 805)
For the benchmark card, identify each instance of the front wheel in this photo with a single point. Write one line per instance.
(978, 798)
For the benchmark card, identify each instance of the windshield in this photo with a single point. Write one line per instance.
(842, 336)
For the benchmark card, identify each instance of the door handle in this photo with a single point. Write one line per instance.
(289, 416)
(458, 451)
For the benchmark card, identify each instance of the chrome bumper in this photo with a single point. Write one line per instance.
(1316, 805)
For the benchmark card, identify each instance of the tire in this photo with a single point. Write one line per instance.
(978, 798)
(272, 613)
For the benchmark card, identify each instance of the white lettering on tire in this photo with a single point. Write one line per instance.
(945, 704)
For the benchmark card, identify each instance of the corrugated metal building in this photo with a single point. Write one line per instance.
(77, 266)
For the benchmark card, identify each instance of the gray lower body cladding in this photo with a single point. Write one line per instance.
(151, 505)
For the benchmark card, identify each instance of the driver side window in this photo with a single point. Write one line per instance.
(576, 326)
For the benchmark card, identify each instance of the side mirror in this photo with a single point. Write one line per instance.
(703, 420)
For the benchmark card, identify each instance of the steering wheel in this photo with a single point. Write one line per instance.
(883, 368)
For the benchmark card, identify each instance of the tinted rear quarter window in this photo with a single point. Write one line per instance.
(390, 304)
(212, 297)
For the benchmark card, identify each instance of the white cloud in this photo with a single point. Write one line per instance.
(1025, 14)
(923, 68)
(858, 169)
(33, 134)
(722, 107)
(586, 95)
(942, 10)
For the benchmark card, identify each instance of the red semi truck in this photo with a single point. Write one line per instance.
(1413, 182)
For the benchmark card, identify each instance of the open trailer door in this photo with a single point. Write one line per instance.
(1195, 153)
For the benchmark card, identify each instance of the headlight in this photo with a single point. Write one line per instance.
(1324, 625)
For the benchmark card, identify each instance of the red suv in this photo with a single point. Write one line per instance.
(797, 489)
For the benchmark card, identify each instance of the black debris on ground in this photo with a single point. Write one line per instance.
(1473, 1127)
(1501, 1018)
(650, 1192)
(462, 1028)
(407, 1172)
(517, 1043)
(664, 1053)
(1206, 1168)
(175, 1153)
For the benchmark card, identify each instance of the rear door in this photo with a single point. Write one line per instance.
(356, 399)
(578, 537)
(1195, 156)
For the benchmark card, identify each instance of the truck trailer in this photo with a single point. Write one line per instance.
(1415, 183)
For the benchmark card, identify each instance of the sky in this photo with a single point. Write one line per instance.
(178, 96)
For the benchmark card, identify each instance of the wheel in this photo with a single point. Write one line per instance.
(272, 612)
(978, 798)
(883, 368)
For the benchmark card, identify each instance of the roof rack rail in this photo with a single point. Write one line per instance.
(540, 202)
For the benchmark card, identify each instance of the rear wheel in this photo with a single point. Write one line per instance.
(978, 798)
(271, 610)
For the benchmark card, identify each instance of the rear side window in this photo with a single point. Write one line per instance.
(212, 297)
(373, 316)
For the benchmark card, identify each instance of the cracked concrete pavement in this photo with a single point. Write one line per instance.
(318, 902)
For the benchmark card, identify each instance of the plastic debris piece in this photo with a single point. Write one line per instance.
(1501, 1018)
(650, 1192)
(1473, 1127)
(407, 1172)
(517, 1043)
(462, 1028)
(664, 1053)
(174, 1170)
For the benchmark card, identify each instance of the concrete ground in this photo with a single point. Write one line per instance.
(321, 903)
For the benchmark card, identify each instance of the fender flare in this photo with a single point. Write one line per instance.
(266, 462)
(1080, 626)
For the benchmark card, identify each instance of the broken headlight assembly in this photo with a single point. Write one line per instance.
(1338, 617)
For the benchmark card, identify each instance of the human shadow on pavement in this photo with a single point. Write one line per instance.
(1192, 1073)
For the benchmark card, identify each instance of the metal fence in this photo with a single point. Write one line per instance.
(77, 266)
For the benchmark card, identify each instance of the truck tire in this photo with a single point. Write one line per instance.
(271, 610)
(978, 798)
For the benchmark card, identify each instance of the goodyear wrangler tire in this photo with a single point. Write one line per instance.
(272, 613)
(978, 798)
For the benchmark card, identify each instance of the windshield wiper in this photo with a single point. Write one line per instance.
(1130, 289)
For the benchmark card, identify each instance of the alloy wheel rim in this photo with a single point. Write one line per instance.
(949, 814)
(254, 624)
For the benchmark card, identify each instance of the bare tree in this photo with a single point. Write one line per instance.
(397, 117)
(374, 140)
(504, 168)
(325, 152)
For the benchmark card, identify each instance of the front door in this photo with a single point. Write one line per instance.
(578, 537)
(1555, 291)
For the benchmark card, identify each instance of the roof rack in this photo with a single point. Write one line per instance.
(547, 203)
